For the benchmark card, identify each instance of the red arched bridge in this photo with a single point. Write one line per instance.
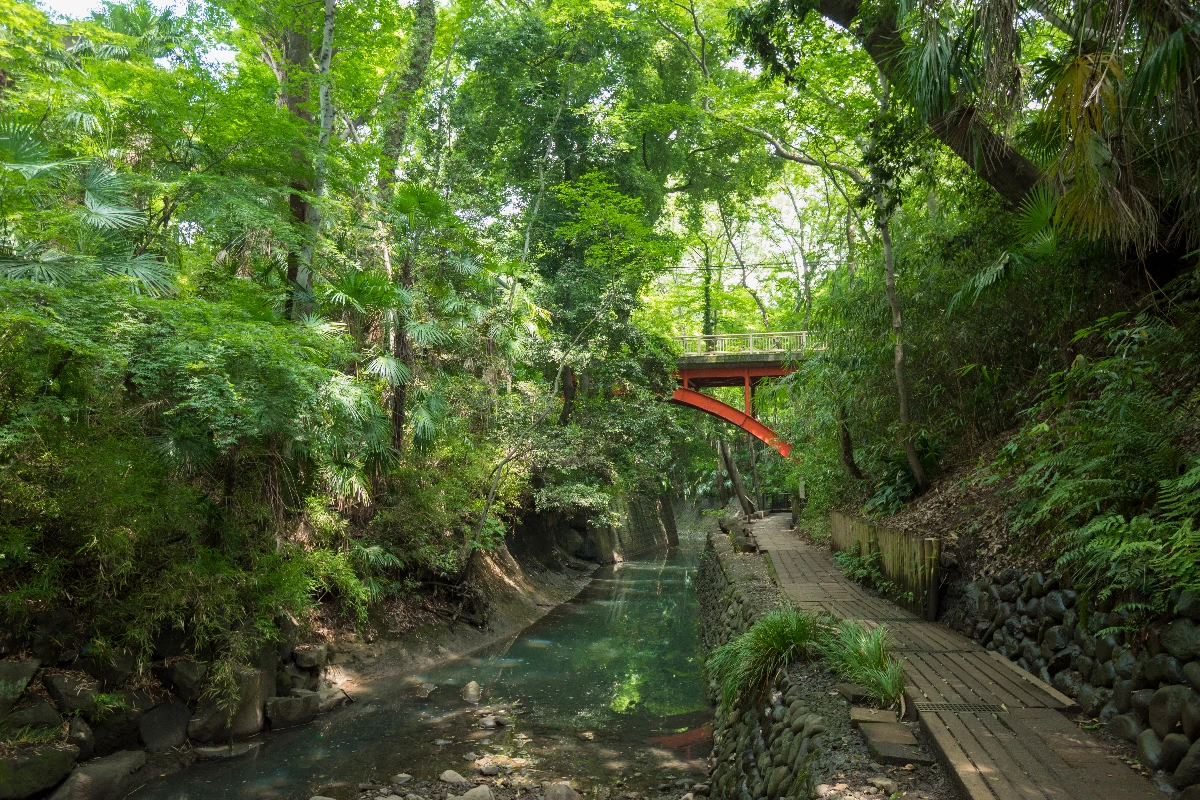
(738, 359)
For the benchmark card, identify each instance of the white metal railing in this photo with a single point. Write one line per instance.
(789, 342)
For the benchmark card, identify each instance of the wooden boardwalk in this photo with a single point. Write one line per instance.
(999, 730)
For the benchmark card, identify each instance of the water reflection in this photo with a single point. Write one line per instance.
(603, 687)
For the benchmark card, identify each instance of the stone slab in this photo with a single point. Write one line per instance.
(860, 714)
(889, 732)
(897, 754)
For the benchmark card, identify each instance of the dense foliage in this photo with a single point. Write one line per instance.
(311, 302)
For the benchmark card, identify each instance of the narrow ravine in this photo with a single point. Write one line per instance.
(605, 691)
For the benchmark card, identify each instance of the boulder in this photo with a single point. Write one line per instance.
(1053, 606)
(1166, 709)
(1188, 605)
(450, 776)
(310, 656)
(117, 728)
(213, 752)
(105, 778)
(1164, 668)
(1104, 674)
(1140, 700)
(1182, 639)
(328, 697)
(1191, 672)
(36, 713)
(1054, 639)
(1188, 771)
(186, 679)
(561, 791)
(478, 793)
(1126, 727)
(1105, 645)
(1123, 661)
(14, 677)
(1149, 750)
(111, 670)
(302, 678)
(210, 723)
(1191, 715)
(28, 771)
(53, 632)
(1174, 748)
(79, 733)
(165, 726)
(289, 712)
(169, 642)
(71, 693)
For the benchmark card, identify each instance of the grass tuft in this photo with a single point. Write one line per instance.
(745, 666)
(864, 655)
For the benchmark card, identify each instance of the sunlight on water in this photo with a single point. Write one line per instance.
(596, 687)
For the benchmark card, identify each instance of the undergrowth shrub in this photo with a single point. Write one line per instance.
(1107, 465)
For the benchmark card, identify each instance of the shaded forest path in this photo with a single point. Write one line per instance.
(999, 730)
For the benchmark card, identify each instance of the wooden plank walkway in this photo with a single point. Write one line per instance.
(998, 730)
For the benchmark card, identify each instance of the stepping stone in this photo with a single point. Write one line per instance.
(861, 714)
(853, 692)
(892, 743)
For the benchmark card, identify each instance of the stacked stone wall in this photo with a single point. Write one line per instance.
(765, 751)
(1145, 689)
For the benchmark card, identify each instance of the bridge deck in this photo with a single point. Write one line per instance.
(999, 730)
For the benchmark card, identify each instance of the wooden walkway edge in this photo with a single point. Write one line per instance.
(999, 731)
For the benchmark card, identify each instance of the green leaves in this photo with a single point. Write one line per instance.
(103, 196)
(22, 150)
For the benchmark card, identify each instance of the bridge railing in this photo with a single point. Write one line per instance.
(785, 342)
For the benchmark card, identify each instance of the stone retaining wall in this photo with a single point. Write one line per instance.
(762, 752)
(1146, 692)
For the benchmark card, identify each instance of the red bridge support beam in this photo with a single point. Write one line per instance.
(711, 405)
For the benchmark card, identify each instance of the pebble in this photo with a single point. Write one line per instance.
(472, 693)
(885, 785)
(400, 777)
(489, 769)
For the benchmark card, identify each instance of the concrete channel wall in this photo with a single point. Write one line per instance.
(764, 751)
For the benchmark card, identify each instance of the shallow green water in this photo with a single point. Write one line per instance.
(604, 688)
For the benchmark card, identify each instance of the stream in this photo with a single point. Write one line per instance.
(605, 690)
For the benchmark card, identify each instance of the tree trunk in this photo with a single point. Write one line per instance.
(290, 72)
(848, 447)
(570, 383)
(735, 477)
(398, 107)
(710, 320)
(325, 123)
(910, 449)
(722, 492)
(1006, 170)
(402, 352)
(399, 102)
